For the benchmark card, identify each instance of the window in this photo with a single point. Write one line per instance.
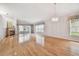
(27, 29)
(24, 28)
(20, 28)
(74, 27)
(39, 28)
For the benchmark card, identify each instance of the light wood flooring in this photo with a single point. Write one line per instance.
(53, 47)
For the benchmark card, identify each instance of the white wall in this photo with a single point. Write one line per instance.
(59, 29)
(56, 28)
(2, 27)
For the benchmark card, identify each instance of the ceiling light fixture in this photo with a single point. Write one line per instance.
(55, 18)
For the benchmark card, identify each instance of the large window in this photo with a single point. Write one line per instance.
(20, 28)
(39, 28)
(23, 28)
(74, 27)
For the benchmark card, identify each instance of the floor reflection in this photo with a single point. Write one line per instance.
(24, 37)
(74, 47)
(40, 39)
(55, 46)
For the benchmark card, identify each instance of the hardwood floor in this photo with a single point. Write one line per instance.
(53, 47)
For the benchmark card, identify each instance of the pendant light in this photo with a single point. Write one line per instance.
(55, 18)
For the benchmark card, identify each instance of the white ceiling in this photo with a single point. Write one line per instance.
(35, 12)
